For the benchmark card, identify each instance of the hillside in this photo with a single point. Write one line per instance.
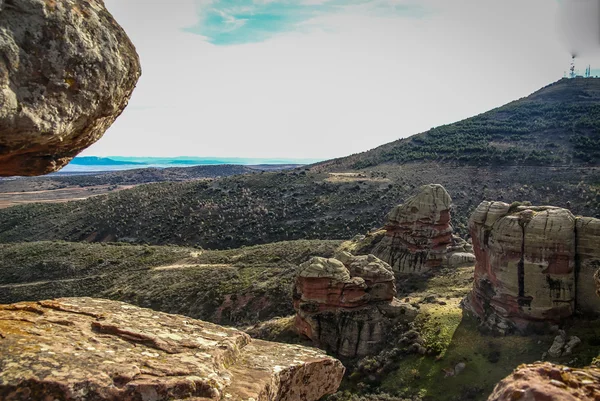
(199, 284)
(557, 125)
(125, 177)
(337, 199)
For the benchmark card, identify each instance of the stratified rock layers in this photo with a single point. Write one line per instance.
(91, 349)
(418, 232)
(67, 71)
(534, 264)
(347, 304)
(548, 382)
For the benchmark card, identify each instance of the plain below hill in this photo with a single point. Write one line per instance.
(543, 148)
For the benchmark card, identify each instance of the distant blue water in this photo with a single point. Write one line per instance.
(117, 163)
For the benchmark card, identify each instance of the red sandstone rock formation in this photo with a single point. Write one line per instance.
(418, 232)
(548, 382)
(346, 305)
(417, 236)
(91, 349)
(534, 265)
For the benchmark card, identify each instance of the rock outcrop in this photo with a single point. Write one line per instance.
(91, 349)
(417, 236)
(347, 304)
(534, 265)
(67, 70)
(548, 382)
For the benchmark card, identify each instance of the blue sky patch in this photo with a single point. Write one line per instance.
(230, 22)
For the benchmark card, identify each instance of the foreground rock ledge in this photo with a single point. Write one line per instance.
(67, 71)
(91, 349)
(549, 382)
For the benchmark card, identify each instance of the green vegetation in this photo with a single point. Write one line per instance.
(557, 125)
(237, 287)
(460, 363)
(330, 200)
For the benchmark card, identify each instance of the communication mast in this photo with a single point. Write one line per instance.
(572, 73)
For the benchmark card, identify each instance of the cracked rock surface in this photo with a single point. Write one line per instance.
(67, 71)
(549, 382)
(535, 264)
(92, 349)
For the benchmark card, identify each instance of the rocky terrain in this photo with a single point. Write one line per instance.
(92, 349)
(534, 265)
(418, 237)
(402, 335)
(347, 304)
(549, 382)
(67, 72)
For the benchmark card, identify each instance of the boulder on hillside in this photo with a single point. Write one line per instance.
(347, 305)
(91, 349)
(67, 71)
(549, 382)
(417, 237)
(535, 264)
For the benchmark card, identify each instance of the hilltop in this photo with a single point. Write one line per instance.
(543, 148)
(557, 125)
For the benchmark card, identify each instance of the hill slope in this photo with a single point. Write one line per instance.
(557, 125)
(344, 197)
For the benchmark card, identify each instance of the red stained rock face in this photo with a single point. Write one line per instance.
(346, 305)
(548, 382)
(418, 232)
(417, 237)
(527, 260)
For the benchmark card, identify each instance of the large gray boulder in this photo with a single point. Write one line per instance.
(67, 71)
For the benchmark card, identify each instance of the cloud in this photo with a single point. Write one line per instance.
(230, 22)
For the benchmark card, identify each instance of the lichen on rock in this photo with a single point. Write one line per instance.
(91, 349)
(67, 71)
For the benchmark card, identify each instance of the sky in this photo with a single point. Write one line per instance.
(328, 78)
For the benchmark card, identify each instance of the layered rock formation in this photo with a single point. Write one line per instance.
(91, 349)
(67, 70)
(347, 304)
(548, 382)
(534, 265)
(417, 236)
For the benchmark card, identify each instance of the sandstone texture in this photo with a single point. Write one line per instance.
(346, 304)
(548, 382)
(91, 349)
(417, 236)
(534, 265)
(67, 71)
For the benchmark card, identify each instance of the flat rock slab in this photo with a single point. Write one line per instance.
(92, 349)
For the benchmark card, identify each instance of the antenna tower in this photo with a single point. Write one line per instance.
(572, 73)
